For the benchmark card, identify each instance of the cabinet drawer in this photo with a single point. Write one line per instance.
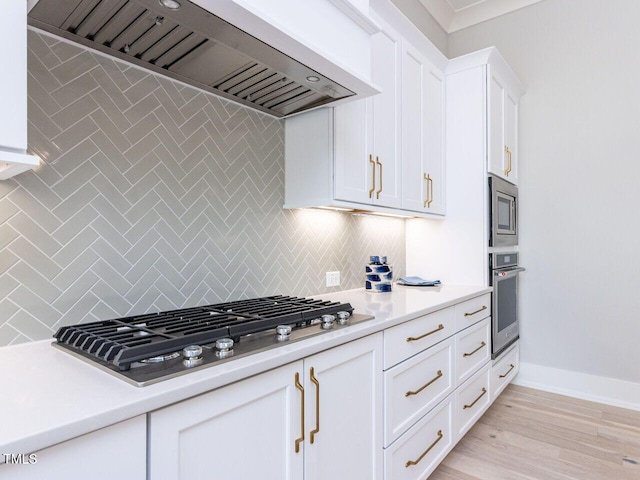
(415, 386)
(472, 399)
(472, 311)
(419, 451)
(473, 349)
(503, 371)
(407, 339)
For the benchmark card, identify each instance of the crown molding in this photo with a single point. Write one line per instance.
(452, 20)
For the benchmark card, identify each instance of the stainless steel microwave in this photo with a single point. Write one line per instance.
(503, 212)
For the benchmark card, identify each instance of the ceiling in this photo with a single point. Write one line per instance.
(455, 15)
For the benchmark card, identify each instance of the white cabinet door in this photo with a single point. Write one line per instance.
(344, 412)
(245, 430)
(423, 181)
(13, 81)
(367, 133)
(117, 451)
(503, 115)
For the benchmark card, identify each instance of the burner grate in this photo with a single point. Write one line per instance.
(123, 341)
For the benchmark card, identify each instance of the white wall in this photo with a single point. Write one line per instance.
(580, 175)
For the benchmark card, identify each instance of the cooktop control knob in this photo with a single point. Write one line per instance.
(284, 332)
(328, 321)
(192, 355)
(225, 347)
(343, 317)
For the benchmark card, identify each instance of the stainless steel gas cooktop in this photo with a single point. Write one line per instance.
(148, 348)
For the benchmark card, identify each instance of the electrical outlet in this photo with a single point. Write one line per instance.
(333, 279)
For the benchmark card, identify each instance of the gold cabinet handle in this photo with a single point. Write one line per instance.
(415, 462)
(507, 372)
(483, 344)
(315, 381)
(484, 307)
(413, 339)
(484, 390)
(507, 170)
(373, 179)
(379, 163)
(301, 388)
(430, 192)
(426, 190)
(438, 375)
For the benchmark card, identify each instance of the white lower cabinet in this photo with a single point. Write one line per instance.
(505, 369)
(116, 451)
(414, 387)
(317, 419)
(438, 381)
(472, 400)
(419, 451)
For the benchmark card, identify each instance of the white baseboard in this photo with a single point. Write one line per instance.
(609, 391)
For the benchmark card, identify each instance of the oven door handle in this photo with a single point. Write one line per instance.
(508, 272)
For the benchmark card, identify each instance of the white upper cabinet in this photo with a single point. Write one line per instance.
(384, 153)
(367, 133)
(423, 158)
(503, 96)
(13, 91)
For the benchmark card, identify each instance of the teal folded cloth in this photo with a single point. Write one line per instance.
(418, 281)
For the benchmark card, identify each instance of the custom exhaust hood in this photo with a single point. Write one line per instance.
(182, 40)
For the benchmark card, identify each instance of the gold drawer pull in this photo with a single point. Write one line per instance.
(315, 381)
(413, 339)
(438, 375)
(484, 307)
(301, 388)
(482, 345)
(507, 372)
(484, 390)
(426, 190)
(411, 462)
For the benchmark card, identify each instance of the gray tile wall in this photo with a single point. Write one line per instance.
(153, 195)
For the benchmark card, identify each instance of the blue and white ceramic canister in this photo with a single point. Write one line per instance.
(379, 275)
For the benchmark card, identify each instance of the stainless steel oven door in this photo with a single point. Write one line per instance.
(504, 213)
(504, 315)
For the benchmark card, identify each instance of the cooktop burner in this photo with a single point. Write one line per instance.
(147, 348)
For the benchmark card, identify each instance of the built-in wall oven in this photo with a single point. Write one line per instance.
(503, 276)
(503, 213)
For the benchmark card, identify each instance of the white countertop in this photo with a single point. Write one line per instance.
(48, 396)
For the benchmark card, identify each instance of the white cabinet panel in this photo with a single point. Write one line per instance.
(504, 370)
(472, 400)
(423, 159)
(473, 349)
(419, 451)
(117, 451)
(250, 426)
(344, 411)
(415, 386)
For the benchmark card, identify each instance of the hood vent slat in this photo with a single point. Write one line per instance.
(190, 45)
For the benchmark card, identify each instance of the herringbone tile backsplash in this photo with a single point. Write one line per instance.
(153, 195)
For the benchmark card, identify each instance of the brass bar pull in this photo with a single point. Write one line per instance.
(483, 344)
(426, 191)
(484, 390)
(412, 462)
(438, 375)
(379, 163)
(507, 170)
(373, 180)
(430, 192)
(315, 381)
(484, 307)
(413, 339)
(507, 372)
(301, 388)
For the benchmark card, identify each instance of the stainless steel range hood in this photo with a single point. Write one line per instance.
(194, 46)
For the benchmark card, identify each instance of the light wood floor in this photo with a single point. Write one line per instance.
(535, 435)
